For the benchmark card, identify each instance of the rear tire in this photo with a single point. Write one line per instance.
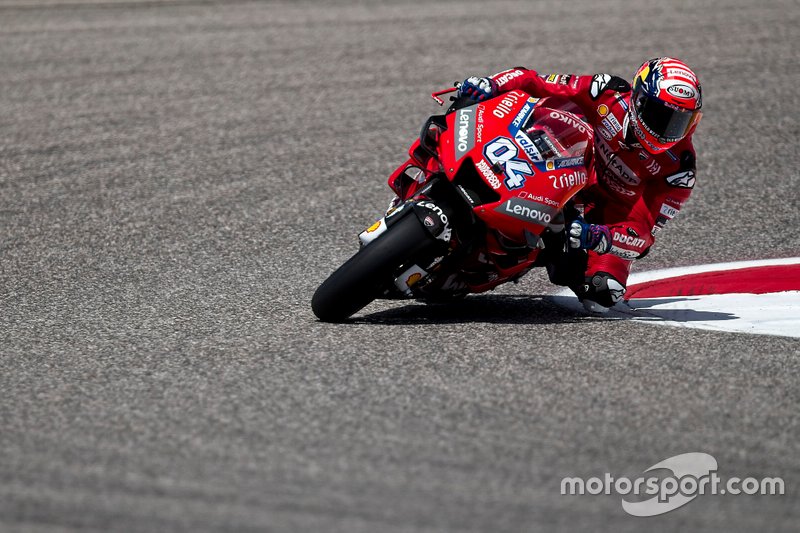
(369, 272)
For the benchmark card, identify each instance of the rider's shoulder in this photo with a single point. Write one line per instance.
(683, 154)
(680, 171)
(602, 83)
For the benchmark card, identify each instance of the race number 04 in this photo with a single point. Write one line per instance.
(503, 151)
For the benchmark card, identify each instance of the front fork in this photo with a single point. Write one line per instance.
(445, 217)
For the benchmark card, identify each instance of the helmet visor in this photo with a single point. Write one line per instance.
(666, 122)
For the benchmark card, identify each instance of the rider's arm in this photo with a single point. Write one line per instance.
(660, 202)
(583, 90)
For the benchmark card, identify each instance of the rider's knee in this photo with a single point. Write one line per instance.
(602, 288)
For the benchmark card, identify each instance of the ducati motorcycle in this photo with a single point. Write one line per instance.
(483, 197)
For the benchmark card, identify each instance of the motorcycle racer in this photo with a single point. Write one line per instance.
(643, 167)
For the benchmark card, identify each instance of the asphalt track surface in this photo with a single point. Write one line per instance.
(176, 178)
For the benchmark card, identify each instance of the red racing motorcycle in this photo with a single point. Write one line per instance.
(485, 190)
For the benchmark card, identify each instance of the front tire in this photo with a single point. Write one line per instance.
(369, 272)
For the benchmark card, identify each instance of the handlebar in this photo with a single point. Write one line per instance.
(456, 86)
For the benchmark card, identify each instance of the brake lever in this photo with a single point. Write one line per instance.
(456, 87)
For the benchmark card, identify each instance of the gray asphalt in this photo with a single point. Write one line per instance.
(176, 178)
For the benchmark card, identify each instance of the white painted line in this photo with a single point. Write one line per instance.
(762, 314)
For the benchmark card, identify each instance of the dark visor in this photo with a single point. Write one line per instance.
(665, 122)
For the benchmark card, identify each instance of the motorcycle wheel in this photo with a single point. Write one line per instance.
(369, 272)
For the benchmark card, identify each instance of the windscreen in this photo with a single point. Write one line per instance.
(556, 133)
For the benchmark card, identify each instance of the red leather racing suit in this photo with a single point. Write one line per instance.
(632, 191)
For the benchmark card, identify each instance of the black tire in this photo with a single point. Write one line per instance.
(367, 274)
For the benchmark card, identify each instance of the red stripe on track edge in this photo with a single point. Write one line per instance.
(753, 280)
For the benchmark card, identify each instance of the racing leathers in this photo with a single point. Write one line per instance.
(630, 190)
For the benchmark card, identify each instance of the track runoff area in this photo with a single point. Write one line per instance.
(755, 297)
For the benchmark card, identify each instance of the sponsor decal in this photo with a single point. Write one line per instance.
(447, 231)
(465, 131)
(508, 76)
(550, 164)
(630, 240)
(677, 202)
(529, 148)
(684, 179)
(568, 162)
(413, 279)
(564, 79)
(552, 78)
(468, 195)
(614, 165)
(569, 119)
(679, 72)
(602, 110)
(653, 167)
(680, 90)
(394, 210)
(640, 133)
(568, 179)
(372, 232)
(612, 124)
(623, 253)
(409, 278)
(504, 152)
(544, 144)
(428, 221)
(521, 115)
(506, 104)
(612, 182)
(668, 211)
(527, 211)
(537, 198)
(604, 133)
(435, 262)
(651, 145)
(480, 126)
(488, 175)
(599, 82)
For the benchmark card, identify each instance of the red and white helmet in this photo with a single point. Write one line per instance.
(665, 103)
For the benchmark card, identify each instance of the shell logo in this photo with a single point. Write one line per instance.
(602, 110)
(413, 279)
(374, 227)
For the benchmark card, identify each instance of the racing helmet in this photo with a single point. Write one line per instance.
(665, 103)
